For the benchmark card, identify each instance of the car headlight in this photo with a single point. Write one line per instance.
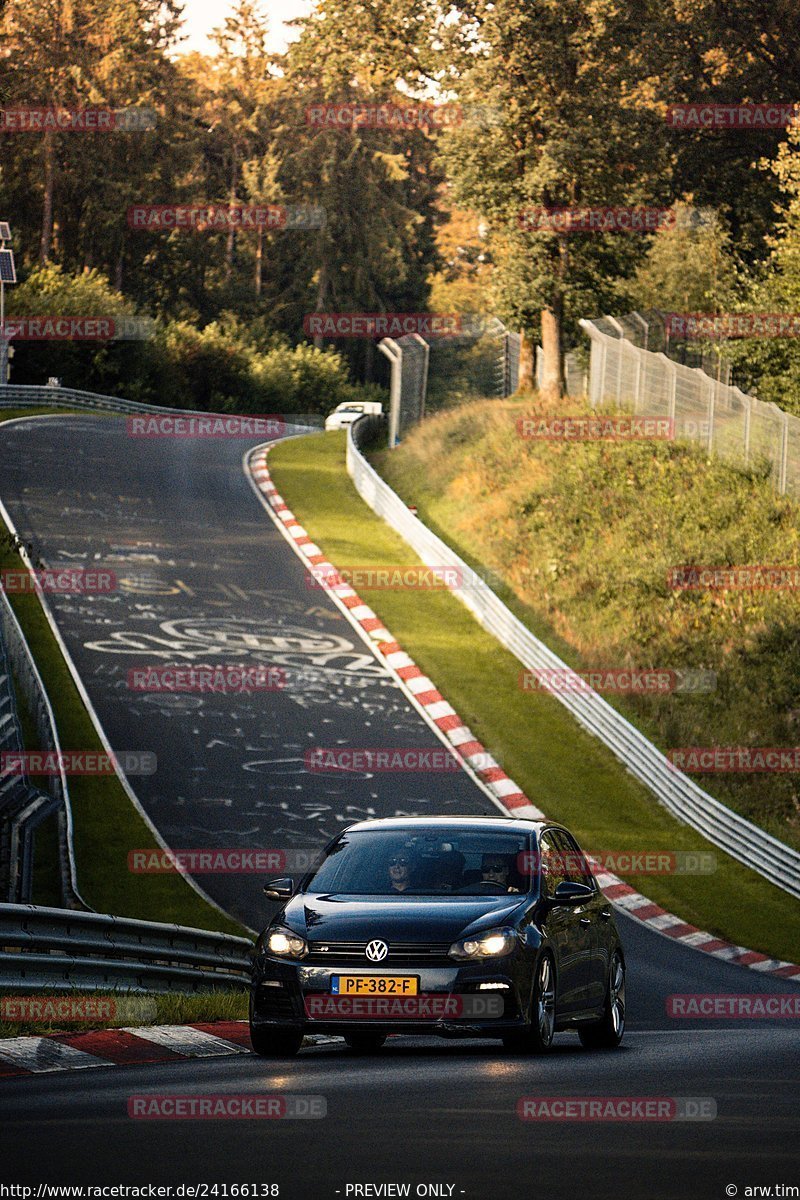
(485, 945)
(285, 944)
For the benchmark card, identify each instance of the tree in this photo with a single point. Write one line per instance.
(78, 54)
(378, 187)
(238, 88)
(688, 269)
(772, 365)
(568, 128)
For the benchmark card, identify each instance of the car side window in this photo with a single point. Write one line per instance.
(552, 864)
(576, 866)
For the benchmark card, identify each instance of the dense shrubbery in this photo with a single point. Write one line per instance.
(585, 535)
(223, 367)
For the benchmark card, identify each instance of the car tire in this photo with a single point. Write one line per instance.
(365, 1043)
(269, 1042)
(606, 1034)
(537, 1038)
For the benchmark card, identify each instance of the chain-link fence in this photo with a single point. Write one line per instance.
(481, 361)
(650, 330)
(576, 372)
(726, 421)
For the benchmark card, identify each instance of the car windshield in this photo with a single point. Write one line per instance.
(351, 408)
(441, 862)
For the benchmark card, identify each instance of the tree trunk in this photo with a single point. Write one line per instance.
(322, 292)
(259, 258)
(552, 373)
(47, 207)
(118, 274)
(231, 241)
(527, 363)
(553, 386)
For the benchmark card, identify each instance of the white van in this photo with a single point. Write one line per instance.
(344, 414)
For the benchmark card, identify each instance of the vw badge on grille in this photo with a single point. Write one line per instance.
(376, 951)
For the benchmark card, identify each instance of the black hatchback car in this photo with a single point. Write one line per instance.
(473, 926)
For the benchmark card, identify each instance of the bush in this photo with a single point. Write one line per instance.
(225, 367)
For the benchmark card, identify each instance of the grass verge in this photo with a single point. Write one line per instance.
(116, 1010)
(567, 773)
(585, 536)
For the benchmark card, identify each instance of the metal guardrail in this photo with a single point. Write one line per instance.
(15, 395)
(778, 863)
(23, 807)
(52, 947)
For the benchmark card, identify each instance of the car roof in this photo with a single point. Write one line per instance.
(520, 824)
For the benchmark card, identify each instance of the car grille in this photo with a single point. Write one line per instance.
(273, 1005)
(400, 954)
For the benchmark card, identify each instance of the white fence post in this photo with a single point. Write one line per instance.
(748, 409)
(392, 351)
(784, 455)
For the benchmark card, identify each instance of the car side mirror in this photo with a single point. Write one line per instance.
(572, 893)
(279, 889)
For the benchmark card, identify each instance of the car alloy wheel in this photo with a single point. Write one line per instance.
(606, 1034)
(538, 1037)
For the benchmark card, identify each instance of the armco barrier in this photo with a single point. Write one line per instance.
(56, 948)
(32, 396)
(778, 863)
(23, 807)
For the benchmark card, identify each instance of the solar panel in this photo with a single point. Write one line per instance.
(5, 231)
(7, 271)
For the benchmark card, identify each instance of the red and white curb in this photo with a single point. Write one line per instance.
(128, 1047)
(122, 1047)
(506, 794)
(418, 687)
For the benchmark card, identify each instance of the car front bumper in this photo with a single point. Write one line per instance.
(289, 995)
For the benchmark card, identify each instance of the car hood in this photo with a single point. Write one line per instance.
(343, 918)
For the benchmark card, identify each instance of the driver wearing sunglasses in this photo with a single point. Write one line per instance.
(400, 872)
(495, 869)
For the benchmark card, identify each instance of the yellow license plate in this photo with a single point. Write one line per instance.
(375, 985)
